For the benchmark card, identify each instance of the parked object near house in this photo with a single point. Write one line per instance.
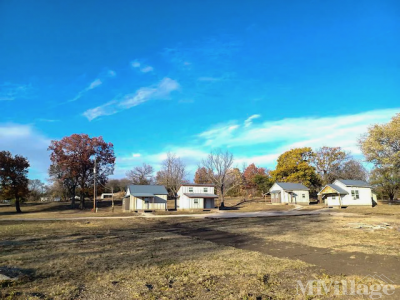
(289, 192)
(347, 193)
(145, 197)
(196, 196)
(106, 196)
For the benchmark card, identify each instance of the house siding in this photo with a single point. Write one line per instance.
(286, 197)
(365, 196)
(184, 202)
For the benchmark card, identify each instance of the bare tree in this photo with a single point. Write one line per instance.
(172, 174)
(141, 174)
(219, 168)
(353, 169)
(329, 163)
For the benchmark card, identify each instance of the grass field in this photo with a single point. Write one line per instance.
(241, 258)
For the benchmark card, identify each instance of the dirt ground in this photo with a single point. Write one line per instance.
(248, 258)
(239, 258)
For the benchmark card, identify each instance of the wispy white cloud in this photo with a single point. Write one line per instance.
(94, 84)
(26, 141)
(135, 64)
(12, 91)
(343, 130)
(142, 68)
(159, 91)
(147, 69)
(250, 119)
(275, 137)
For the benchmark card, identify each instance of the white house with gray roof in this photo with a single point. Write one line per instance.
(196, 196)
(347, 193)
(289, 192)
(145, 197)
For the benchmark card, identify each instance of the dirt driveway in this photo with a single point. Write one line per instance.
(337, 263)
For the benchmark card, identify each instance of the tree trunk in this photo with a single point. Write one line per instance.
(222, 202)
(73, 202)
(17, 207)
(82, 202)
(73, 199)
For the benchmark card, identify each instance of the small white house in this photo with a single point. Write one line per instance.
(145, 197)
(289, 192)
(347, 192)
(196, 196)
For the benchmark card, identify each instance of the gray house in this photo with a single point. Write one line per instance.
(145, 197)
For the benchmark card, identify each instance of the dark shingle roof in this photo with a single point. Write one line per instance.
(199, 195)
(147, 190)
(291, 186)
(359, 183)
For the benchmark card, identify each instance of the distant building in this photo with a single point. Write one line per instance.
(348, 193)
(196, 196)
(289, 192)
(106, 195)
(145, 197)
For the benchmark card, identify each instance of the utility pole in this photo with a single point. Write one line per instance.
(94, 192)
(112, 198)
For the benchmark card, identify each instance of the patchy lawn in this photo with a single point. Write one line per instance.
(133, 259)
(180, 259)
(382, 209)
(62, 210)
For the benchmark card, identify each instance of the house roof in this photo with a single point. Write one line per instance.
(143, 195)
(358, 183)
(198, 184)
(291, 186)
(147, 190)
(336, 188)
(199, 195)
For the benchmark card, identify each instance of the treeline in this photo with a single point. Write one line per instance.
(78, 160)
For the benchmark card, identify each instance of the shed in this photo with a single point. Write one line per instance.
(145, 197)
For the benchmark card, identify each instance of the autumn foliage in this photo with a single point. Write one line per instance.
(13, 177)
(73, 159)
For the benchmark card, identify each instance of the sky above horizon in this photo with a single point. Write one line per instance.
(254, 77)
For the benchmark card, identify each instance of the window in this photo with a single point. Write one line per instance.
(190, 190)
(333, 198)
(205, 190)
(303, 195)
(355, 195)
(195, 201)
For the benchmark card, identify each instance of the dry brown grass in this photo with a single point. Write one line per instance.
(382, 209)
(141, 259)
(335, 233)
(62, 210)
(130, 259)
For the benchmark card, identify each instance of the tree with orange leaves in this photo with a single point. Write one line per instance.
(75, 156)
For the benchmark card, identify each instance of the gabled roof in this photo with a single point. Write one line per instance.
(146, 190)
(357, 183)
(291, 186)
(198, 184)
(200, 195)
(336, 188)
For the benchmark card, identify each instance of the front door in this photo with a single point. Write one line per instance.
(208, 203)
(146, 203)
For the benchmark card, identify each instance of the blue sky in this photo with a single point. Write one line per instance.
(254, 77)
